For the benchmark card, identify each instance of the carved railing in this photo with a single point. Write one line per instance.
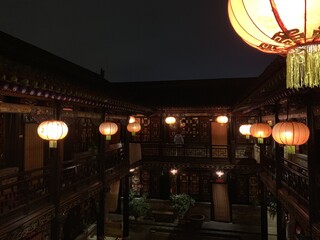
(84, 168)
(268, 161)
(242, 151)
(23, 191)
(159, 150)
(295, 179)
(202, 151)
(114, 155)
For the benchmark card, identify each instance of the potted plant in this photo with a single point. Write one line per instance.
(181, 203)
(271, 205)
(138, 206)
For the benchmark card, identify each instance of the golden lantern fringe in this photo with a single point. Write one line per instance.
(303, 66)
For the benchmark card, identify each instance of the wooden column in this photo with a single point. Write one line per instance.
(281, 227)
(126, 188)
(231, 140)
(278, 152)
(126, 225)
(264, 213)
(55, 184)
(102, 194)
(312, 164)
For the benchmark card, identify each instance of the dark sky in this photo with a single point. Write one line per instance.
(137, 40)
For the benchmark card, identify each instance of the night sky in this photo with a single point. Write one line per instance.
(137, 40)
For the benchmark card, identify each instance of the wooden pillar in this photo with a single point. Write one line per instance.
(264, 213)
(126, 189)
(281, 226)
(55, 184)
(126, 225)
(278, 152)
(231, 140)
(312, 164)
(102, 194)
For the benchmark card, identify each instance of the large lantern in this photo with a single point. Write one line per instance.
(108, 129)
(245, 130)
(170, 120)
(134, 128)
(222, 119)
(52, 131)
(260, 131)
(290, 133)
(283, 27)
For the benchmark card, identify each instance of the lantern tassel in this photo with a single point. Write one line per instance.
(52, 144)
(303, 66)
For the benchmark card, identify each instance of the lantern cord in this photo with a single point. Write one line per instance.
(287, 110)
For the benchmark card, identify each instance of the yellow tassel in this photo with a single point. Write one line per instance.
(303, 66)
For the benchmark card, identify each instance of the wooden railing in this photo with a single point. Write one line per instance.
(268, 161)
(295, 179)
(114, 155)
(202, 151)
(21, 192)
(84, 168)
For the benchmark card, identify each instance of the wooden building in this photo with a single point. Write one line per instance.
(55, 193)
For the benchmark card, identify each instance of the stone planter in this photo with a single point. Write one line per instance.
(195, 221)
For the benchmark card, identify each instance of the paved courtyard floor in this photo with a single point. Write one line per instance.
(245, 225)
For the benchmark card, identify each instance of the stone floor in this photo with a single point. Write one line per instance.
(245, 225)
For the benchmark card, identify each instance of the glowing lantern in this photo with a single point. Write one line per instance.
(134, 128)
(283, 27)
(52, 131)
(222, 119)
(132, 119)
(108, 129)
(290, 133)
(245, 130)
(219, 173)
(170, 120)
(260, 131)
(174, 171)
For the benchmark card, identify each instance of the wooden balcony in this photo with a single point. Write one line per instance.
(26, 191)
(195, 155)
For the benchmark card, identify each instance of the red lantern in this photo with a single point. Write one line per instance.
(260, 131)
(108, 129)
(290, 133)
(283, 27)
(134, 127)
